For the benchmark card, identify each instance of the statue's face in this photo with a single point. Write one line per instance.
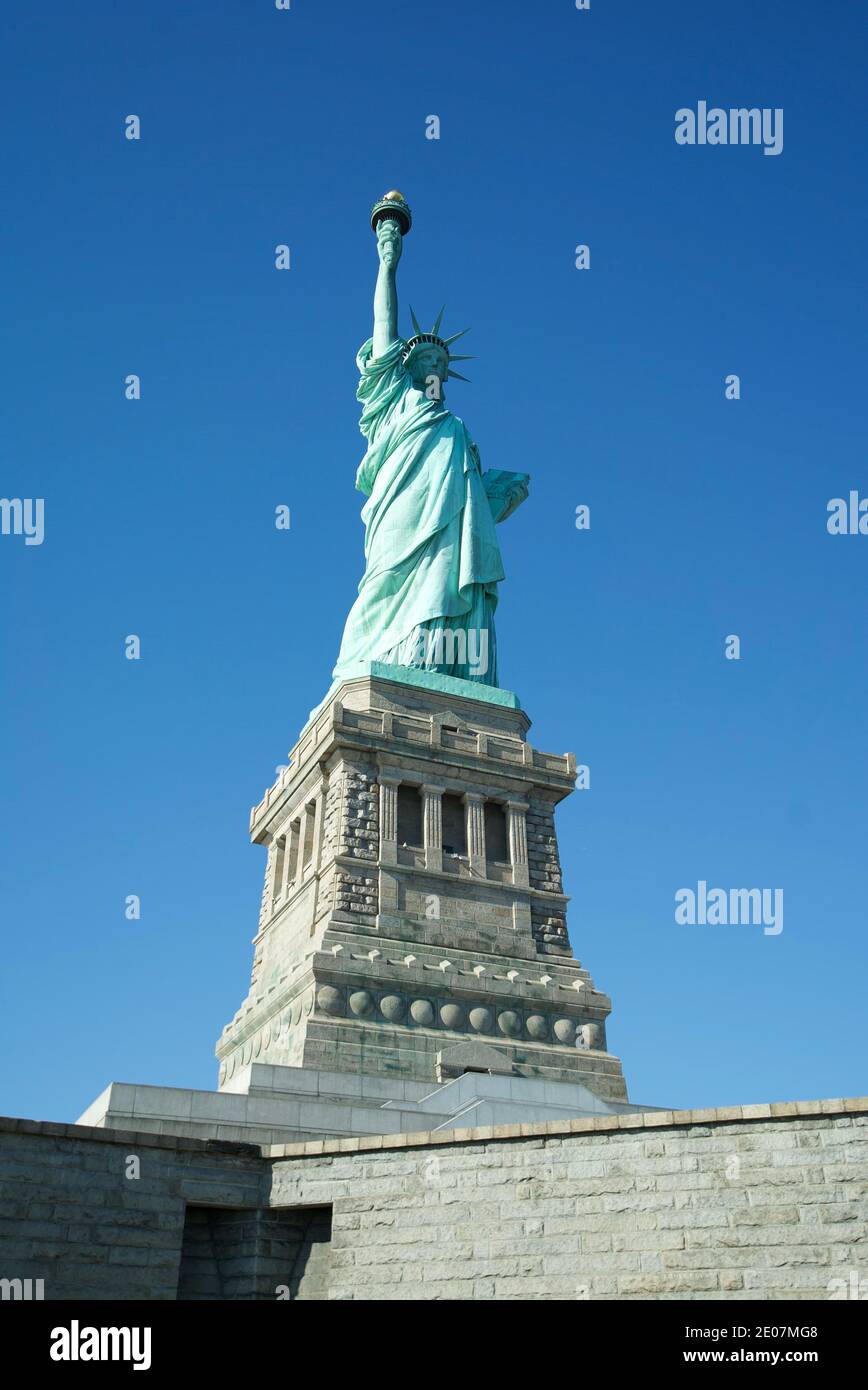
(427, 362)
(389, 242)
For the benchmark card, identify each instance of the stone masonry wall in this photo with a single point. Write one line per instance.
(359, 838)
(544, 865)
(544, 868)
(767, 1202)
(550, 931)
(360, 817)
(70, 1215)
(330, 844)
(356, 892)
(645, 1206)
(331, 816)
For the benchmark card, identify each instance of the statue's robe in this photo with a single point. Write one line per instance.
(432, 557)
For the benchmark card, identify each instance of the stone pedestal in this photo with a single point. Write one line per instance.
(413, 901)
(278, 1105)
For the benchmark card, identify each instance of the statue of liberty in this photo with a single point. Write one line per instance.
(432, 559)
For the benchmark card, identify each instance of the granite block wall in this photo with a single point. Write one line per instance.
(724, 1204)
(102, 1220)
(761, 1202)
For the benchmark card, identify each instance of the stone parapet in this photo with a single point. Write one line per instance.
(754, 1202)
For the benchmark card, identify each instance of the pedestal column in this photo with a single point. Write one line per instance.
(290, 857)
(475, 812)
(305, 831)
(271, 884)
(388, 818)
(517, 831)
(432, 825)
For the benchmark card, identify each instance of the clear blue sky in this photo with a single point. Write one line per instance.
(708, 516)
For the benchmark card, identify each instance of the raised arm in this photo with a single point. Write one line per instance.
(389, 246)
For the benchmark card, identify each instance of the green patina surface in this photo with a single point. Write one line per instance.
(427, 598)
(423, 680)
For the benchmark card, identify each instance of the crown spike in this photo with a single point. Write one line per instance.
(416, 328)
(462, 356)
(436, 329)
(455, 336)
(459, 376)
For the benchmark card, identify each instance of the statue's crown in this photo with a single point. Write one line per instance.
(433, 338)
